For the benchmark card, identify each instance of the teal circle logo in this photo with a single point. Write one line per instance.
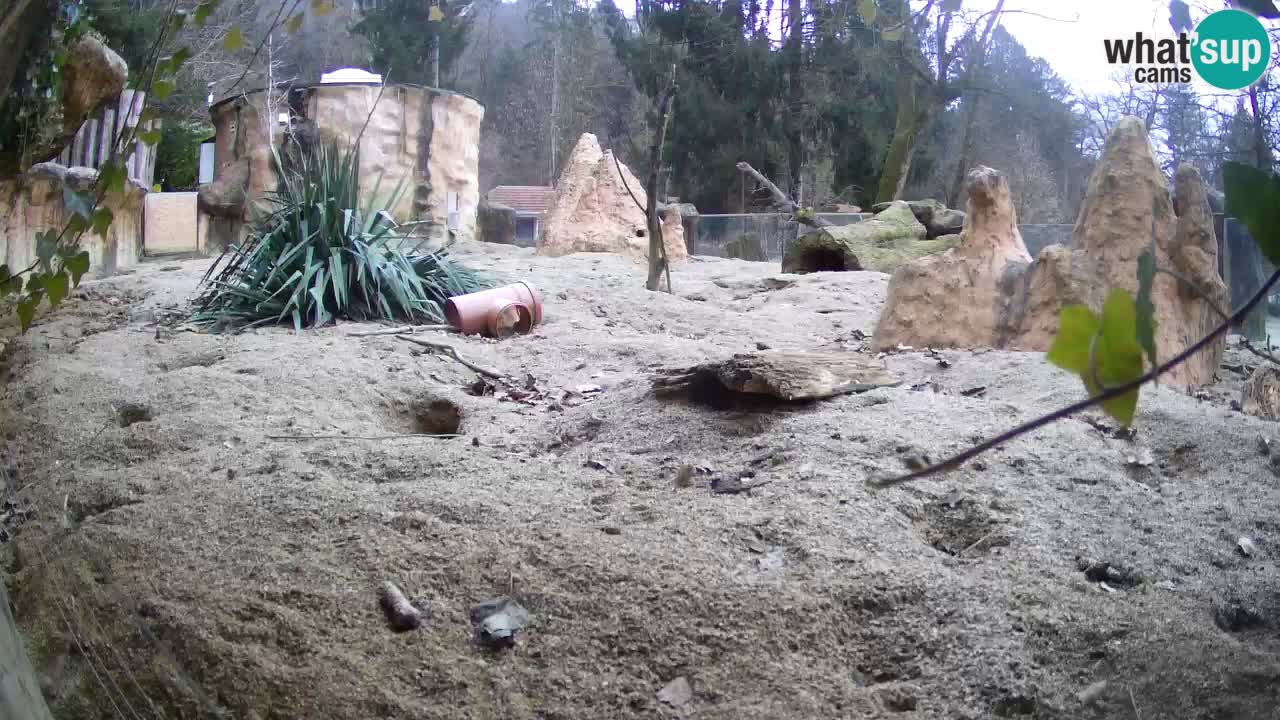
(1231, 49)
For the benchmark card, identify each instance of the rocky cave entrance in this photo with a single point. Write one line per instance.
(825, 259)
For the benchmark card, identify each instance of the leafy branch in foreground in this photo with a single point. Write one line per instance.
(1107, 351)
(315, 256)
(60, 262)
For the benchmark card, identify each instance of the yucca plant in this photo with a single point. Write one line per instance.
(312, 255)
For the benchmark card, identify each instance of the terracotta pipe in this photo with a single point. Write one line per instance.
(474, 313)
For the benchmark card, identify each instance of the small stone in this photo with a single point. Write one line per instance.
(684, 476)
(612, 530)
(898, 699)
(762, 346)
(1264, 445)
(1245, 547)
(1091, 695)
(677, 693)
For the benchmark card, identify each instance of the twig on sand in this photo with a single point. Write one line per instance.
(404, 329)
(442, 436)
(976, 543)
(1132, 700)
(449, 350)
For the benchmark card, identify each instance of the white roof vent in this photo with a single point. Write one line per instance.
(350, 75)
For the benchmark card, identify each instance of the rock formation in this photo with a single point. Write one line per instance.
(496, 223)
(1008, 304)
(938, 219)
(962, 297)
(880, 244)
(92, 74)
(593, 210)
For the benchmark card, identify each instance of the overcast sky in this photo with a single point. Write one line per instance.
(1074, 46)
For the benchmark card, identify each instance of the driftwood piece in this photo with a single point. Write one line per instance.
(788, 376)
(780, 198)
(1260, 395)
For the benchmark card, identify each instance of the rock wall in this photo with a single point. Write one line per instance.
(33, 202)
(985, 294)
(594, 212)
(418, 145)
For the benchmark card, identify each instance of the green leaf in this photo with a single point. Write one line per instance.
(77, 202)
(1253, 198)
(102, 220)
(162, 89)
(867, 11)
(321, 7)
(234, 40)
(11, 285)
(46, 246)
(77, 265)
(1070, 349)
(294, 24)
(177, 20)
(27, 311)
(893, 34)
(1147, 309)
(149, 137)
(1118, 354)
(203, 11)
(178, 59)
(112, 176)
(56, 286)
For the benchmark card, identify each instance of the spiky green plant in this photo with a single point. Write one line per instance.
(312, 254)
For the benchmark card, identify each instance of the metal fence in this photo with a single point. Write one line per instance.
(1245, 270)
(755, 236)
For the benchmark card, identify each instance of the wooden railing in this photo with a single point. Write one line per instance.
(92, 145)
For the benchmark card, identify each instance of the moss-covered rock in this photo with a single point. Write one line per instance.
(880, 244)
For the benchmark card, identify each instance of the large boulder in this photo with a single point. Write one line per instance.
(977, 276)
(496, 222)
(1127, 210)
(225, 196)
(91, 74)
(938, 219)
(880, 244)
(597, 209)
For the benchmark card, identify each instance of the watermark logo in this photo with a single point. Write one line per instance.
(1229, 50)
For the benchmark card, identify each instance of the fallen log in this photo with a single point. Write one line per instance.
(779, 375)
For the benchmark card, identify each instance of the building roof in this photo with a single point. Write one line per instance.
(532, 199)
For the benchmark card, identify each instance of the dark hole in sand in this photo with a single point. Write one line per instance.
(436, 417)
(130, 413)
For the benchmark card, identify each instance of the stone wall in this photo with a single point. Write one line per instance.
(33, 203)
(420, 142)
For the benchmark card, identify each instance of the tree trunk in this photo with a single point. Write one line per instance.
(793, 119)
(20, 697)
(897, 162)
(966, 151)
(1262, 153)
(23, 22)
(657, 248)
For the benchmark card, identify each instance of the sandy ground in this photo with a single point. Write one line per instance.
(181, 563)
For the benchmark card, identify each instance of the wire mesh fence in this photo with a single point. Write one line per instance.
(755, 236)
(1245, 270)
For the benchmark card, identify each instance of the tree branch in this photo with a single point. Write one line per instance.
(780, 198)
